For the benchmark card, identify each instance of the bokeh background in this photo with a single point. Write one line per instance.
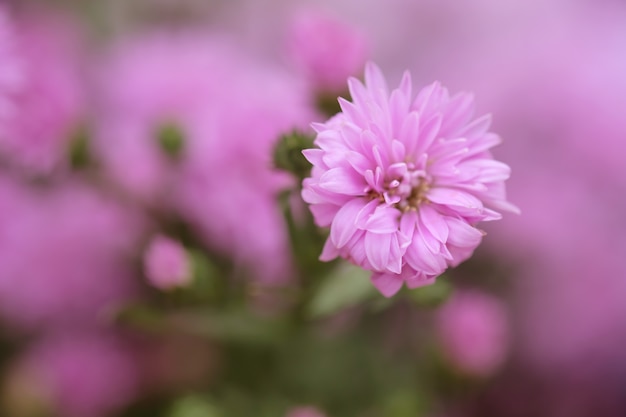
(154, 261)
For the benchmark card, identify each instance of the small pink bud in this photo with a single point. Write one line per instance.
(472, 329)
(167, 264)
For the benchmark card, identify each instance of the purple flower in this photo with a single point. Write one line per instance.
(402, 182)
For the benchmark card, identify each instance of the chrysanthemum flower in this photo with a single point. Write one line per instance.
(403, 181)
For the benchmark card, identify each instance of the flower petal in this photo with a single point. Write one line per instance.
(377, 249)
(343, 225)
(383, 220)
(420, 280)
(387, 284)
(343, 181)
(434, 223)
(329, 252)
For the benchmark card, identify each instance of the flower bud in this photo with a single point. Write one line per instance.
(167, 264)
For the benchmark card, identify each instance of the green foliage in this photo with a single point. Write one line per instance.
(346, 286)
(433, 295)
(194, 406)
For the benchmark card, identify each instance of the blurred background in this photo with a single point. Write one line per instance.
(156, 258)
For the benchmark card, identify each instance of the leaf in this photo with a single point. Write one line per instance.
(346, 286)
(194, 406)
(434, 295)
(234, 325)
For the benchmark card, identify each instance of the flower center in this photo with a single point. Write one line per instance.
(406, 186)
(417, 196)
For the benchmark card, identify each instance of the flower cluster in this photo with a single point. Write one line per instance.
(403, 181)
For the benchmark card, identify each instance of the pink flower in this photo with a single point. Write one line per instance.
(10, 70)
(472, 329)
(166, 263)
(75, 376)
(63, 255)
(326, 50)
(205, 86)
(403, 182)
(49, 105)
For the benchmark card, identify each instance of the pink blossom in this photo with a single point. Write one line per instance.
(305, 412)
(472, 328)
(150, 82)
(62, 255)
(75, 375)
(166, 263)
(10, 70)
(326, 50)
(50, 103)
(231, 109)
(403, 182)
(568, 246)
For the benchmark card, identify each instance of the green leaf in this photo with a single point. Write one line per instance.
(194, 406)
(345, 287)
(235, 326)
(432, 295)
(139, 316)
(405, 403)
(205, 273)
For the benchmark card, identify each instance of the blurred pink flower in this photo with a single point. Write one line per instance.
(76, 375)
(568, 246)
(10, 70)
(473, 331)
(326, 50)
(62, 255)
(205, 86)
(50, 103)
(305, 412)
(150, 83)
(402, 182)
(166, 263)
